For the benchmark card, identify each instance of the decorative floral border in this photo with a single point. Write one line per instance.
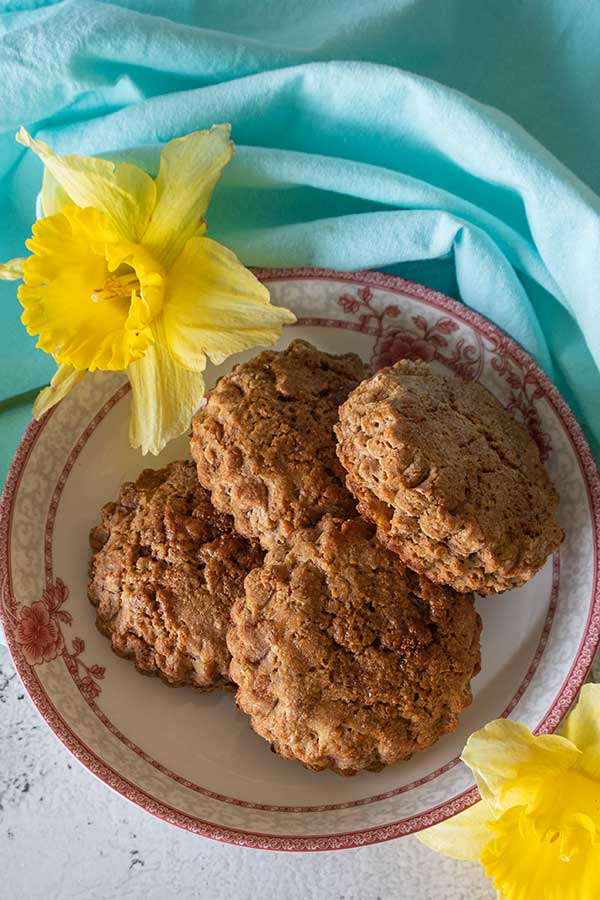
(535, 379)
(37, 628)
(38, 632)
(426, 341)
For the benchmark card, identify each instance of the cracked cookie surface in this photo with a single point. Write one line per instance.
(165, 570)
(453, 482)
(264, 442)
(344, 658)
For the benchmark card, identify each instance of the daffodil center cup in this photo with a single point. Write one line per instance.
(123, 284)
(91, 295)
(134, 282)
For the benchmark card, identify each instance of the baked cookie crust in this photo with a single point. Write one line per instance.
(264, 442)
(453, 482)
(344, 658)
(164, 573)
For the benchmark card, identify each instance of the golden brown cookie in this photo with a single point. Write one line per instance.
(264, 443)
(164, 573)
(454, 484)
(344, 658)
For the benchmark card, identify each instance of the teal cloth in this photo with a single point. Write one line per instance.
(354, 147)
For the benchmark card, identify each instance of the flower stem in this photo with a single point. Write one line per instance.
(19, 399)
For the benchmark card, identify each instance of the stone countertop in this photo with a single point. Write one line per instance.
(64, 835)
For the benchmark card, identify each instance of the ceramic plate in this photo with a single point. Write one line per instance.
(192, 759)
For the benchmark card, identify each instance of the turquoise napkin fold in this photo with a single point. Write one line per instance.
(344, 157)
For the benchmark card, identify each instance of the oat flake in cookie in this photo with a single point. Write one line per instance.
(264, 442)
(454, 484)
(344, 658)
(164, 573)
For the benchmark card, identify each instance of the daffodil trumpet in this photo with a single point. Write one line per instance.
(536, 829)
(122, 277)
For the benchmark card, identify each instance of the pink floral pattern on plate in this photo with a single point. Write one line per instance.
(397, 337)
(38, 629)
(39, 634)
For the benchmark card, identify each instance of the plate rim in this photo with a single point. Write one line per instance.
(589, 643)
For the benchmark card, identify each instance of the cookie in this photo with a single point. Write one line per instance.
(264, 442)
(453, 482)
(344, 658)
(164, 573)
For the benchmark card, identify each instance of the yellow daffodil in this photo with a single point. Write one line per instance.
(122, 277)
(536, 829)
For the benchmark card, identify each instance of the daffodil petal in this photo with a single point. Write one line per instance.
(67, 268)
(523, 867)
(510, 764)
(582, 727)
(12, 270)
(65, 378)
(215, 306)
(164, 396)
(52, 195)
(462, 836)
(189, 170)
(125, 192)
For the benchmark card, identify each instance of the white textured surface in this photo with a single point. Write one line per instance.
(65, 835)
